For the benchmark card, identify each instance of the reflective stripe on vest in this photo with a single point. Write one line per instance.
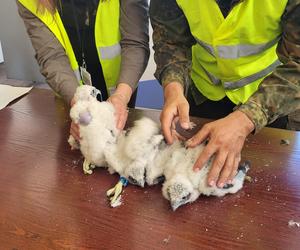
(215, 80)
(236, 51)
(208, 47)
(246, 80)
(233, 54)
(110, 52)
(252, 78)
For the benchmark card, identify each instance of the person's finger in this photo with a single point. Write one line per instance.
(72, 102)
(166, 122)
(234, 168)
(76, 128)
(74, 131)
(174, 122)
(198, 138)
(217, 166)
(74, 134)
(178, 136)
(183, 112)
(204, 156)
(122, 120)
(117, 116)
(226, 171)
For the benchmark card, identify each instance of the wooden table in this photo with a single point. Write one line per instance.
(46, 202)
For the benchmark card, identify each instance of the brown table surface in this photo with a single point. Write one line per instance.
(46, 202)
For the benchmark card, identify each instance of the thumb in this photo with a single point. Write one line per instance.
(184, 119)
(122, 120)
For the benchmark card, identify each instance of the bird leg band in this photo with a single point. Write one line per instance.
(114, 193)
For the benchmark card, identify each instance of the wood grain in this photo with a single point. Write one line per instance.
(48, 203)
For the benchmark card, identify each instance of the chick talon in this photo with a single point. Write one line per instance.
(87, 167)
(114, 193)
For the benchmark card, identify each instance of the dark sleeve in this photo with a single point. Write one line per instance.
(134, 23)
(279, 93)
(172, 42)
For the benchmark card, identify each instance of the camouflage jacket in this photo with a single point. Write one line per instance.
(279, 93)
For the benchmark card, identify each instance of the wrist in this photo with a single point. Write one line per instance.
(173, 89)
(256, 113)
(244, 120)
(124, 92)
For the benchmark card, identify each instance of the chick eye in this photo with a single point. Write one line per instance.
(159, 179)
(186, 197)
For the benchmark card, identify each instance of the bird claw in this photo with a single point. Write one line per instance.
(192, 125)
(114, 193)
(87, 167)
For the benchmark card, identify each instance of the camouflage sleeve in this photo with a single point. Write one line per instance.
(172, 42)
(279, 93)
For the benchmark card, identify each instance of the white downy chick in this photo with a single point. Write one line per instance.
(86, 93)
(141, 147)
(83, 93)
(115, 155)
(183, 185)
(155, 173)
(97, 125)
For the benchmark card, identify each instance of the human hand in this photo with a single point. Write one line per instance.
(176, 107)
(226, 139)
(120, 100)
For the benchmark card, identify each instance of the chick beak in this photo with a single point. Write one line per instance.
(174, 205)
(136, 182)
(141, 183)
(95, 92)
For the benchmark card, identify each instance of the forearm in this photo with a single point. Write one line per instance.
(135, 41)
(50, 55)
(124, 91)
(172, 42)
(279, 93)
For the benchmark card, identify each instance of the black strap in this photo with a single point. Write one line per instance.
(78, 34)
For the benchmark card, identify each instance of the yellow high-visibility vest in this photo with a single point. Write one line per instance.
(234, 54)
(107, 37)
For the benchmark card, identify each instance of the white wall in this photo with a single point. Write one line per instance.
(149, 73)
(1, 53)
(17, 50)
